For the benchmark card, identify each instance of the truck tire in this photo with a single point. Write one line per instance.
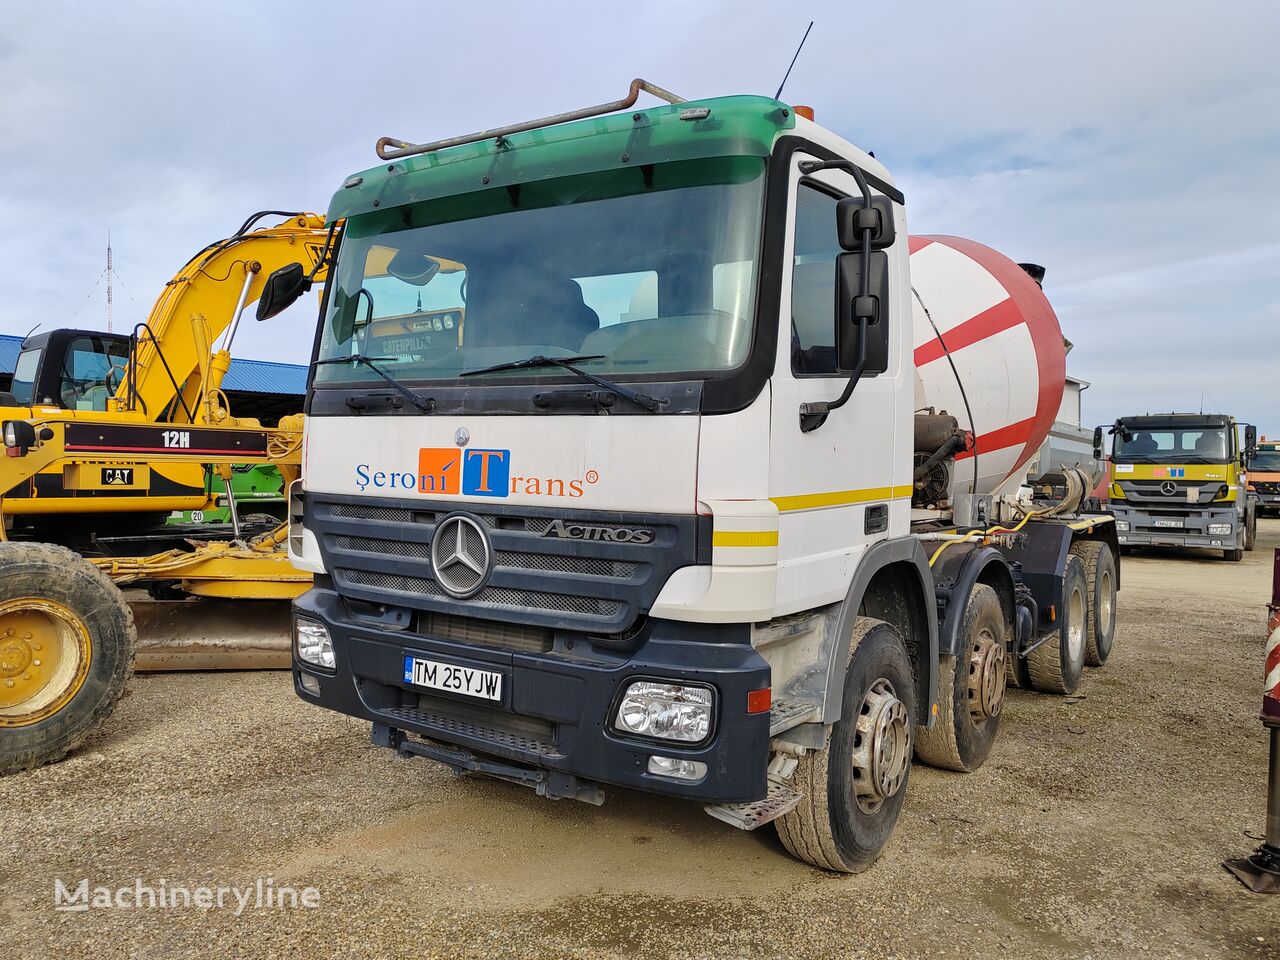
(1251, 531)
(1100, 578)
(970, 689)
(1233, 556)
(1057, 665)
(853, 788)
(66, 651)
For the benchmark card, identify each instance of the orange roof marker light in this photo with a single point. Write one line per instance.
(806, 112)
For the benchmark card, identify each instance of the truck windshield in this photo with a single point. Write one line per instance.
(1158, 444)
(1266, 461)
(652, 267)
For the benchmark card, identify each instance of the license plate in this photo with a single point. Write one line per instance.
(1169, 523)
(485, 684)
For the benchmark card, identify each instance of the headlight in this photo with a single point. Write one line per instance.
(312, 644)
(10, 434)
(1122, 525)
(666, 711)
(1219, 529)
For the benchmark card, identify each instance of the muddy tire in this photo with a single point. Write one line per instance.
(853, 788)
(970, 689)
(1233, 556)
(1057, 665)
(66, 651)
(1100, 577)
(1251, 531)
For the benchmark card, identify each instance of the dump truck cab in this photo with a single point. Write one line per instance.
(1180, 480)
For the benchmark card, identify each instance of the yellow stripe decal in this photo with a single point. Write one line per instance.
(814, 501)
(744, 538)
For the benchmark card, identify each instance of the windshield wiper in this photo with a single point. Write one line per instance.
(423, 404)
(567, 363)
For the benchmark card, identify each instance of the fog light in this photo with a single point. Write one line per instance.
(1219, 529)
(667, 711)
(312, 644)
(1122, 525)
(677, 769)
(310, 683)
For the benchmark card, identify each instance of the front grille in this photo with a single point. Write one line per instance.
(1266, 486)
(516, 560)
(486, 633)
(359, 511)
(526, 734)
(496, 596)
(380, 551)
(1148, 491)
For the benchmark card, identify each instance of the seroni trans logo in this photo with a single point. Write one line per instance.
(450, 471)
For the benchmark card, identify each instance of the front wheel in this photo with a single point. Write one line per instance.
(66, 650)
(1251, 531)
(853, 788)
(1233, 556)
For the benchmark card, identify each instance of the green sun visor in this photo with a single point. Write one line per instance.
(735, 126)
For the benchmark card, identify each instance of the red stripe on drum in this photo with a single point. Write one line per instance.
(1001, 439)
(988, 323)
(917, 243)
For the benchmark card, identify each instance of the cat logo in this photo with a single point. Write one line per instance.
(117, 476)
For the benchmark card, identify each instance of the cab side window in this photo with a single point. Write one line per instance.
(813, 284)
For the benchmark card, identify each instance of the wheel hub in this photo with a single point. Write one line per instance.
(882, 746)
(44, 659)
(988, 677)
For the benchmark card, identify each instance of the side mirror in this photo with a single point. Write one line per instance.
(1250, 443)
(282, 289)
(1097, 443)
(854, 353)
(852, 216)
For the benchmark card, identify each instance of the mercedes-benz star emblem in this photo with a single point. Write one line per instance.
(460, 555)
(1168, 488)
(461, 436)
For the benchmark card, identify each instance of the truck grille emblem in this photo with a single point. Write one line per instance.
(462, 436)
(1168, 488)
(460, 555)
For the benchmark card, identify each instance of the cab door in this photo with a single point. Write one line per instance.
(846, 484)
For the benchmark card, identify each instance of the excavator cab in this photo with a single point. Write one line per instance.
(69, 369)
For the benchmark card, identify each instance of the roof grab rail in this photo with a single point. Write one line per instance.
(390, 148)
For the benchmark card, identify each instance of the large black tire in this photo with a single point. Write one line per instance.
(1233, 556)
(1100, 576)
(66, 652)
(1057, 665)
(839, 825)
(970, 689)
(1251, 530)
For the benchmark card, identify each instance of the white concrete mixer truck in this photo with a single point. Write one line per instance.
(647, 449)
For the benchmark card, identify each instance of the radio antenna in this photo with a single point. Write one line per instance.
(778, 95)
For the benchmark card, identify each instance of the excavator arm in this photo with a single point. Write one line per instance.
(174, 373)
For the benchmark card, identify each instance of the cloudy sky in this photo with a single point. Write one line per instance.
(1131, 148)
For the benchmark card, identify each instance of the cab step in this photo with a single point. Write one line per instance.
(747, 816)
(786, 714)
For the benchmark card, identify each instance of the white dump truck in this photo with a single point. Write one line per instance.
(646, 448)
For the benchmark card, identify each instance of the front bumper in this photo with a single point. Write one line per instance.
(556, 707)
(1194, 532)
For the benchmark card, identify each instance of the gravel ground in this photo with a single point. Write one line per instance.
(1096, 829)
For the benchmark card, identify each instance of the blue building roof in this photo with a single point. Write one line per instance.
(247, 376)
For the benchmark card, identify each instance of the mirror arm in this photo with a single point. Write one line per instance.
(814, 415)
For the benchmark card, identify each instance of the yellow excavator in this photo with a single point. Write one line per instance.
(109, 434)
